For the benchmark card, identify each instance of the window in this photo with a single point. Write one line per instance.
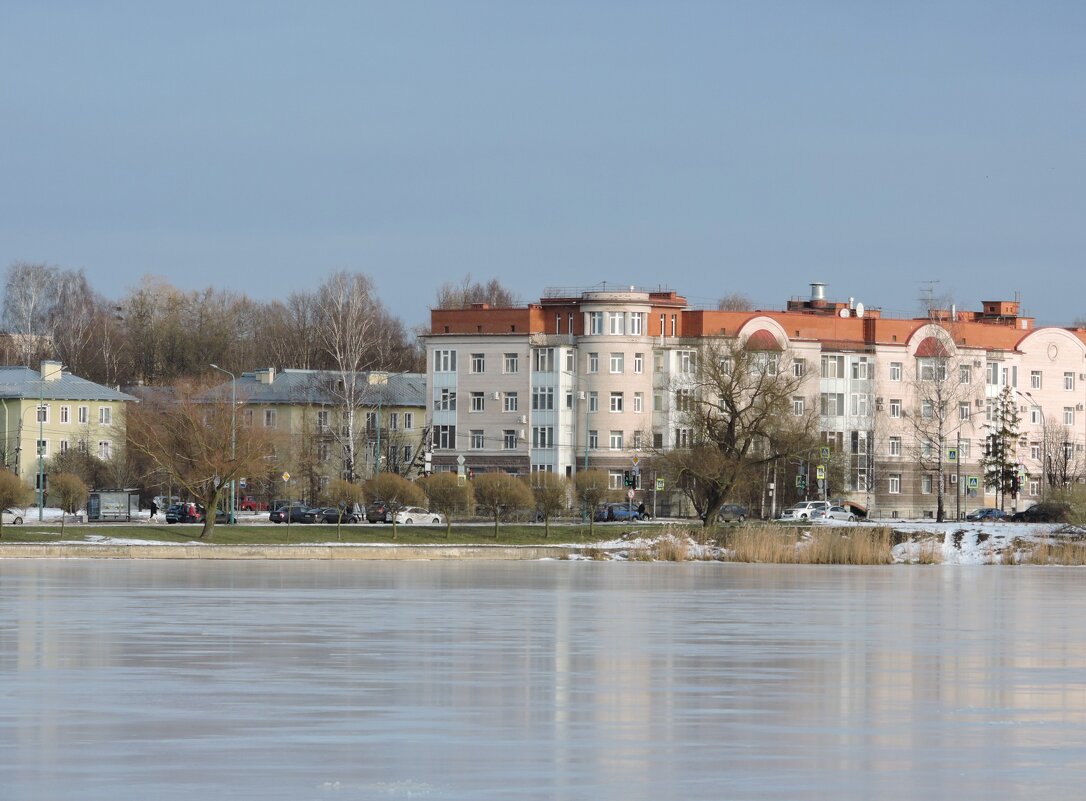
(542, 437)
(105, 415)
(639, 402)
(637, 440)
(684, 437)
(832, 404)
(963, 450)
(84, 415)
(687, 361)
(64, 446)
(269, 418)
(247, 418)
(569, 400)
(616, 362)
(859, 403)
(657, 439)
(861, 369)
(323, 451)
(510, 364)
(509, 439)
(895, 446)
(895, 371)
(799, 367)
(408, 421)
(932, 369)
(1035, 452)
(445, 400)
(965, 374)
(478, 363)
(927, 410)
(674, 327)
(1034, 487)
(616, 440)
(1069, 381)
(684, 400)
(964, 411)
(571, 361)
(42, 414)
(393, 421)
(593, 439)
(65, 414)
(510, 402)
(992, 374)
(639, 363)
(444, 361)
(105, 449)
(478, 402)
(1035, 415)
(925, 484)
(322, 421)
(43, 447)
(593, 402)
(894, 484)
(1068, 415)
(926, 449)
(833, 366)
(616, 401)
(637, 323)
(895, 407)
(657, 362)
(476, 439)
(543, 398)
(371, 422)
(798, 406)
(1035, 379)
(593, 362)
(543, 360)
(618, 323)
(657, 401)
(615, 479)
(595, 322)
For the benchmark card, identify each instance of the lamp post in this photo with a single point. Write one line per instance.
(41, 445)
(233, 432)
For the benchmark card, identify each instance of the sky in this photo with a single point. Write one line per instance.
(885, 149)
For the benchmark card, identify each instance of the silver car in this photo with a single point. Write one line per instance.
(834, 513)
(804, 510)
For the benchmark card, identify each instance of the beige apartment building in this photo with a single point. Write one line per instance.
(599, 377)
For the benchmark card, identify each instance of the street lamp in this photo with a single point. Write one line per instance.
(41, 436)
(233, 431)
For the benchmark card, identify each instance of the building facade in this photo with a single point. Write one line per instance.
(600, 378)
(46, 412)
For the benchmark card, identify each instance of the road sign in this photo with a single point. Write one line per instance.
(973, 482)
(825, 453)
(820, 472)
(286, 476)
(952, 454)
(460, 460)
(461, 480)
(635, 460)
(660, 485)
(630, 494)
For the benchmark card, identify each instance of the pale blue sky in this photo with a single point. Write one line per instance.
(710, 147)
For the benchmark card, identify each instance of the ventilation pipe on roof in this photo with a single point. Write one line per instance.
(818, 291)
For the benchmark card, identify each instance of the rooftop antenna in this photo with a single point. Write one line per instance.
(927, 296)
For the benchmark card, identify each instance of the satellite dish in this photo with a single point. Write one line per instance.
(859, 310)
(844, 312)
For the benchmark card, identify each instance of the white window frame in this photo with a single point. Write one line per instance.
(617, 363)
(615, 440)
(617, 402)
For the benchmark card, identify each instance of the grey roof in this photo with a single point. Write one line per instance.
(310, 387)
(24, 382)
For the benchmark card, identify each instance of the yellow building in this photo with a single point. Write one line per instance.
(44, 413)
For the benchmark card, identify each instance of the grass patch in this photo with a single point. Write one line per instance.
(1051, 551)
(828, 546)
(672, 549)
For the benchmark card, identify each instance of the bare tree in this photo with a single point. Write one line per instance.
(14, 493)
(500, 495)
(447, 495)
(551, 492)
(591, 487)
(736, 406)
(1061, 453)
(69, 493)
(735, 301)
(189, 436)
(467, 292)
(30, 296)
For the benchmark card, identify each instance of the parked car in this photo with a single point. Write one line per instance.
(1044, 512)
(12, 517)
(185, 512)
(294, 513)
(410, 515)
(987, 513)
(250, 503)
(377, 512)
(619, 511)
(731, 512)
(333, 514)
(803, 510)
(834, 513)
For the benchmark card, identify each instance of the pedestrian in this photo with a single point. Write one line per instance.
(154, 509)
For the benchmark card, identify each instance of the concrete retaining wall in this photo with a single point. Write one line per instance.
(327, 552)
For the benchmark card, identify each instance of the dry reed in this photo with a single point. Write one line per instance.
(829, 546)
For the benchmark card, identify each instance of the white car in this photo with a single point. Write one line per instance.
(804, 510)
(834, 513)
(12, 517)
(411, 515)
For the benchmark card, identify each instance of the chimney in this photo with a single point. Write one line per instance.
(51, 371)
(265, 375)
(377, 377)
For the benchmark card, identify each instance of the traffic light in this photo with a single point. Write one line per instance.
(627, 481)
(637, 480)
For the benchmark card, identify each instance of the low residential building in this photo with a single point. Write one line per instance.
(311, 409)
(600, 377)
(45, 412)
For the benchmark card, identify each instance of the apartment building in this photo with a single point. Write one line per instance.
(600, 377)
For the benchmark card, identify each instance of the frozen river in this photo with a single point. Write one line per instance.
(543, 680)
